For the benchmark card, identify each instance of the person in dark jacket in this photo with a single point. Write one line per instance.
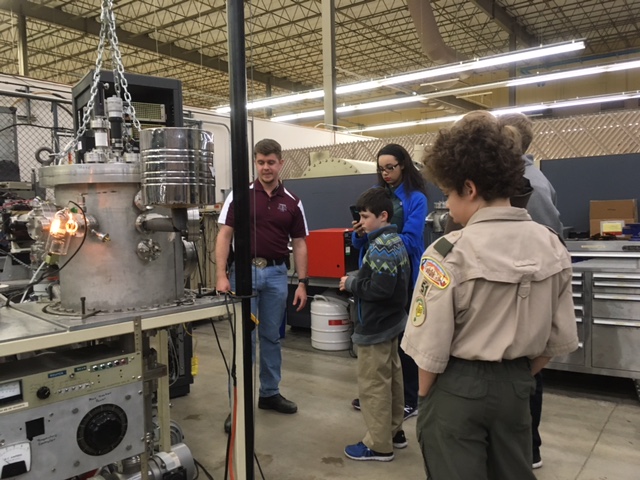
(542, 209)
(398, 175)
(381, 290)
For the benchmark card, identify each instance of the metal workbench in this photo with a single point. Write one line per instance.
(26, 327)
(606, 293)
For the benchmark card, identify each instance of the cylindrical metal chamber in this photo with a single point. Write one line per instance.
(113, 276)
(176, 167)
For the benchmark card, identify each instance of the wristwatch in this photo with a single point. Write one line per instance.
(304, 280)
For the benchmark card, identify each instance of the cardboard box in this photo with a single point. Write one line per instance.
(599, 210)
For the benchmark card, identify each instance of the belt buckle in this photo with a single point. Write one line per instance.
(259, 262)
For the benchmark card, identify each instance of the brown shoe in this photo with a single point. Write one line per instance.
(278, 403)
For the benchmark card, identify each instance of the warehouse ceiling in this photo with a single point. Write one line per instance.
(187, 40)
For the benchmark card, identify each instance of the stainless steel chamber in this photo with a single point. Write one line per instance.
(113, 276)
(177, 167)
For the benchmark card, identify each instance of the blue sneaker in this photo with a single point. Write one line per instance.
(360, 451)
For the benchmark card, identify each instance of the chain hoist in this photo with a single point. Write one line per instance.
(107, 34)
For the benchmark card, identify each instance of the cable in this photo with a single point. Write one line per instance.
(21, 290)
(84, 238)
(175, 358)
(204, 470)
(32, 279)
(259, 467)
(231, 371)
(36, 126)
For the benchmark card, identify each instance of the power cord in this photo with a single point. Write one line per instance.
(231, 372)
(199, 467)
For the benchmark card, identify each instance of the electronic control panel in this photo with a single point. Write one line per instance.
(54, 377)
(63, 414)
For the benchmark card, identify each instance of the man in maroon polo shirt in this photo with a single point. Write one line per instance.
(276, 215)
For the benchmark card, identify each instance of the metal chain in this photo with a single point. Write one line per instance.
(86, 117)
(117, 59)
(107, 30)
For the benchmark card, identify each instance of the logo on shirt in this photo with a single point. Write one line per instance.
(282, 207)
(434, 272)
(419, 312)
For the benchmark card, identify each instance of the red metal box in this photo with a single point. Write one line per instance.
(330, 253)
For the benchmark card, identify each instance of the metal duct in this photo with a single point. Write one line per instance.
(431, 41)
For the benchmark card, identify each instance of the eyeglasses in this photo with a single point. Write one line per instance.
(388, 168)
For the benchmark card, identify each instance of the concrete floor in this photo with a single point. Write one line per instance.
(590, 425)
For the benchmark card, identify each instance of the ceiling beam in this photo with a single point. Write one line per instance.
(458, 103)
(505, 21)
(89, 26)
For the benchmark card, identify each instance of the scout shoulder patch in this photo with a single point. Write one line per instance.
(434, 272)
(419, 312)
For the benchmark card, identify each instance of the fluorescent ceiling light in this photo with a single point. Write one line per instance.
(570, 103)
(466, 66)
(270, 102)
(298, 116)
(502, 111)
(350, 108)
(464, 92)
(428, 121)
(581, 72)
(434, 72)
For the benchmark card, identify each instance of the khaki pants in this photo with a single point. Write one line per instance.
(475, 422)
(381, 393)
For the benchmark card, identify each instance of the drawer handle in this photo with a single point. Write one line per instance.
(606, 254)
(616, 323)
(630, 276)
(604, 296)
(616, 284)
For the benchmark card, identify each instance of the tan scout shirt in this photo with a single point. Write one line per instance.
(503, 291)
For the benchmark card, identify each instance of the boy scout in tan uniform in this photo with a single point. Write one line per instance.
(489, 299)
(485, 303)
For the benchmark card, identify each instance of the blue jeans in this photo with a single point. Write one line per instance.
(270, 283)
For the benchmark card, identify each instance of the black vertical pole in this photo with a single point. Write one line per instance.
(242, 232)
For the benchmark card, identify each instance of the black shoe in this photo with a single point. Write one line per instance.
(537, 460)
(356, 403)
(410, 411)
(227, 424)
(277, 403)
(399, 440)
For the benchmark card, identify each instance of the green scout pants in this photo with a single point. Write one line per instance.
(475, 423)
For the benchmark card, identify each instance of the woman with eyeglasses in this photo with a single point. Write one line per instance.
(398, 174)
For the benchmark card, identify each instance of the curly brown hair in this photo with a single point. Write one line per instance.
(479, 149)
